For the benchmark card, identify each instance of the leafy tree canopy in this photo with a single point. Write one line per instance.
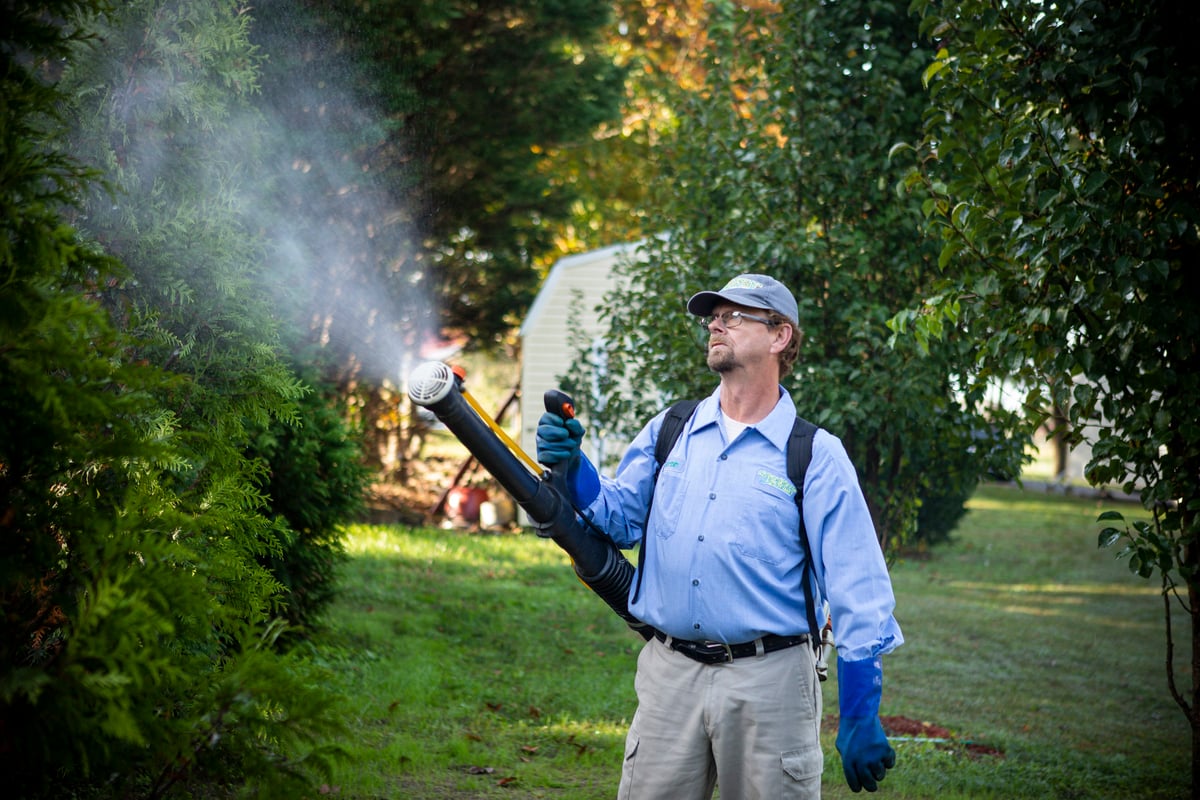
(781, 166)
(1059, 168)
(462, 102)
(137, 644)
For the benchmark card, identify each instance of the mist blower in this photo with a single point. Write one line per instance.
(599, 563)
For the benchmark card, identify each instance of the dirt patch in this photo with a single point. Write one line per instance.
(432, 495)
(412, 501)
(903, 726)
(941, 737)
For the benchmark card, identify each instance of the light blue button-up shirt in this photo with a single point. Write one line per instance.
(723, 558)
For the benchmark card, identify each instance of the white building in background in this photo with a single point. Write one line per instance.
(562, 316)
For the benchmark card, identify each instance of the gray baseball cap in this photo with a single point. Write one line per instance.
(755, 291)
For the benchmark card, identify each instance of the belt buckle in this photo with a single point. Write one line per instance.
(718, 648)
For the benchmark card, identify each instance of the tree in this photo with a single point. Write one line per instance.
(411, 190)
(457, 105)
(497, 85)
(77, 435)
(162, 109)
(316, 482)
(138, 634)
(661, 46)
(1059, 167)
(780, 165)
(612, 175)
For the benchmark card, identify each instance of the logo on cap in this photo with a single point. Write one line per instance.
(742, 282)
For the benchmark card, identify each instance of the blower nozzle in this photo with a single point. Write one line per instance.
(597, 561)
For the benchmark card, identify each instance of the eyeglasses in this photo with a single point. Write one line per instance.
(733, 319)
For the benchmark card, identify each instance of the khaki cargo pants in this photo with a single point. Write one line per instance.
(751, 726)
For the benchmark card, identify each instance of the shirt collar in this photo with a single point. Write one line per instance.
(777, 426)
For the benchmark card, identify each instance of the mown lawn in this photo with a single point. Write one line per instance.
(477, 666)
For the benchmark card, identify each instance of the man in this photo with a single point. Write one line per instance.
(721, 572)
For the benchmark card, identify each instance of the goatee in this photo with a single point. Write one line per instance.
(721, 360)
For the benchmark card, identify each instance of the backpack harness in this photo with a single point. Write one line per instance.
(799, 454)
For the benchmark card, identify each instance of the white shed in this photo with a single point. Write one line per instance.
(564, 312)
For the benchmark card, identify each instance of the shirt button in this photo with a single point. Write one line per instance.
(712, 495)
(695, 582)
(700, 537)
(724, 456)
(696, 626)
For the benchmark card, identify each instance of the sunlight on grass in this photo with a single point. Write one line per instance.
(478, 666)
(453, 546)
(615, 729)
(1058, 590)
(372, 540)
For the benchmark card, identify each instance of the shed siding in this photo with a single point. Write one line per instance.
(564, 308)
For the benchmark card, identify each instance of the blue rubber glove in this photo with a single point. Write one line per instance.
(866, 754)
(558, 442)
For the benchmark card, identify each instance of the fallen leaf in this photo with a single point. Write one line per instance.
(481, 770)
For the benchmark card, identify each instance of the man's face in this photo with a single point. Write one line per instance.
(743, 343)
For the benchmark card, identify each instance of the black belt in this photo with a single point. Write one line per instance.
(718, 652)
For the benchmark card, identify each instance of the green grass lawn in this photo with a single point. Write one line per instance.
(477, 666)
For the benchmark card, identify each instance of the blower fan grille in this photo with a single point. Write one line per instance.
(430, 382)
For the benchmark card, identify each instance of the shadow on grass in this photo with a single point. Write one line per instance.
(479, 661)
(479, 666)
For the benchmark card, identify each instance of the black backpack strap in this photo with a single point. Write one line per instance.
(668, 433)
(799, 454)
(677, 416)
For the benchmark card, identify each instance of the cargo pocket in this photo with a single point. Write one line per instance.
(631, 748)
(803, 770)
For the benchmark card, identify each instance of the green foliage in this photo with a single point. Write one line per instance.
(1059, 168)
(1061, 194)
(316, 482)
(80, 584)
(263, 729)
(163, 109)
(780, 164)
(135, 644)
(447, 111)
(495, 86)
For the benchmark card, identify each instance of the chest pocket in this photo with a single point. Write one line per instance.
(764, 530)
(670, 498)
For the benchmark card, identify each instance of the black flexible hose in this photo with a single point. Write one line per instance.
(598, 562)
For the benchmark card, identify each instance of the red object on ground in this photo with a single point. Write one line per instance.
(462, 503)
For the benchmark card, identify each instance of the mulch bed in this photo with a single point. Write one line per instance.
(942, 738)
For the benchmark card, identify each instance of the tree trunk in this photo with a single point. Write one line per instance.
(1058, 436)
(1193, 711)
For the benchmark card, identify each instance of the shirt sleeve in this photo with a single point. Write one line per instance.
(620, 510)
(852, 572)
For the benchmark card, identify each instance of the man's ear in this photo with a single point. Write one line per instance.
(783, 335)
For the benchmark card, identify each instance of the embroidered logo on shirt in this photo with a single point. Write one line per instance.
(673, 464)
(776, 482)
